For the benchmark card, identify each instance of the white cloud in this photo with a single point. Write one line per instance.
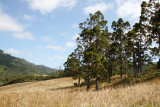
(24, 35)
(70, 44)
(46, 38)
(7, 23)
(97, 7)
(47, 6)
(56, 48)
(13, 51)
(28, 17)
(55, 57)
(129, 8)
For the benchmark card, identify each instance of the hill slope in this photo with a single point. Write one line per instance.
(18, 66)
(46, 93)
(11, 67)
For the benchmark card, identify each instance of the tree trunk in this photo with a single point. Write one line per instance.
(109, 66)
(137, 71)
(121, 72)
(141, 67)
(111, 71)
(97, 80)
(109, 76)
(134, 65)
(158, 64)
(125, 68)
(88, 84)
(79, 82)
(121, 69)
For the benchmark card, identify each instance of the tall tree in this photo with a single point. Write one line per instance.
(120, 28)
(132, 40)
(153, 12)
(93, 40)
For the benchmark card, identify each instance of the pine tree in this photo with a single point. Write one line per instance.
(120, 28)
(93, 40)
(153, 13)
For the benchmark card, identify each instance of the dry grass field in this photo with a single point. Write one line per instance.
(50, 93)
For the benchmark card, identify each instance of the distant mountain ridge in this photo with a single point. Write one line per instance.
(17, 66)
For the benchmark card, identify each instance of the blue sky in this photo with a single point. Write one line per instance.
(44, 31)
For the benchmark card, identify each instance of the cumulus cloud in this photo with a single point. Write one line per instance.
(13, 51)
(24, 35)
(7, 23)
(102, 6)
(55, 48)
(47, 6)
(129, 8)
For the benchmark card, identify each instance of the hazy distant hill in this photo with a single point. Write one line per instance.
(17, 66)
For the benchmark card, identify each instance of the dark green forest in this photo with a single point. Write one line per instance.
(126, 50)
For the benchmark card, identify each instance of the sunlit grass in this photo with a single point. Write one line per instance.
(45, 94)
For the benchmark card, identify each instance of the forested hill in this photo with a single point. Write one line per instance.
(11, 65)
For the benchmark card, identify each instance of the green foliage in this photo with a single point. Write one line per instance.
(123, 51)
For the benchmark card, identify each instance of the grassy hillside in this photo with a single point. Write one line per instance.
(11, 67)
(20, 66)
(62, 93)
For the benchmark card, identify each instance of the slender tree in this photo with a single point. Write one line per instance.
(120, 28)
(153, 13)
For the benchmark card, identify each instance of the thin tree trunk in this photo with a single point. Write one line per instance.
(97, 80)
(125, 69)
(79, 82)
(109, 75)
(121, 69)
(109, 66)
(111, 71)
(137, 71)
(88, 84)
(141, 69)
(158, 64)
(121, 72)
(134, 65)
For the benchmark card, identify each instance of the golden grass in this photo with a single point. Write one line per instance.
(41, 85)
(40, 94)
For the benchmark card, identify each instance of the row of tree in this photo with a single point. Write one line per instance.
(100, 54)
